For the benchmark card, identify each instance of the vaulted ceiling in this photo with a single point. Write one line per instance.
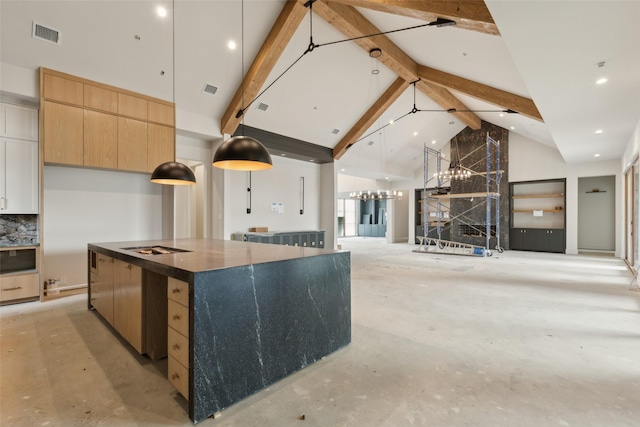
(537, 59)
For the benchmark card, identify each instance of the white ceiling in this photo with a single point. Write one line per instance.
(548, 51)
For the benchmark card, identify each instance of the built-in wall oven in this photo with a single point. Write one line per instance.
(17, 260)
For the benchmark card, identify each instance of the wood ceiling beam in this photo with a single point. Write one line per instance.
(281, 33)
(506, 100)
(352, 23)
(369, 118)
(468, 14)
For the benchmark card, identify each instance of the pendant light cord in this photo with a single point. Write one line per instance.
(173, 59)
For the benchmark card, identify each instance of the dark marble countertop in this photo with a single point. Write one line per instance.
(206, 254)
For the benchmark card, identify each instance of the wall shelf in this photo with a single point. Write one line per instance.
(537, 196)
(540, 233)
(532, 210)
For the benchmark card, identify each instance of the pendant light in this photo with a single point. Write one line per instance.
(242, 153)
(173, 173)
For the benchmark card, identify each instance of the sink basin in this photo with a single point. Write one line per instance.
(155, 250)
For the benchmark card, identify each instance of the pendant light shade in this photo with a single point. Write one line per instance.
(173, 173)
(242, 153)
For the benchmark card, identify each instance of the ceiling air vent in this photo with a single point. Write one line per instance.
(210, 89)
(262, 106)
(45, 33)
(335, 131)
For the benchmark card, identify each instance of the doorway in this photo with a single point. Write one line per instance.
(596, 214)
(188, 207)
(347, 215)
(631, 212)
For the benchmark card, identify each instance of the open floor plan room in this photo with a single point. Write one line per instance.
(526, 339)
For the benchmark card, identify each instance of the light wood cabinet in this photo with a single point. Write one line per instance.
(18, 122)
(86, 123)
(19, 287)
(127, 303)
(160, 113)
(160, 145)
(132, 106)
(64, 133)
(64, 90)
(100, 140)
(102, 287)
(178, 335)
(132, 145)
(100, 99)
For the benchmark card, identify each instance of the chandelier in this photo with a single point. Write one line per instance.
(376, 195)
(455, 171)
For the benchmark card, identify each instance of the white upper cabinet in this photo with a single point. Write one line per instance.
(18, 122)
(18, 176)
(19, 189)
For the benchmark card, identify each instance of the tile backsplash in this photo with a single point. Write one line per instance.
(18, 229)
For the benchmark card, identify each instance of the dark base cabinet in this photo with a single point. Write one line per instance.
(312, 239)
(537, 239)
(372, 230)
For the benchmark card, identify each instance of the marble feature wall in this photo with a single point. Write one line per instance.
(17, 230)
(469, 215)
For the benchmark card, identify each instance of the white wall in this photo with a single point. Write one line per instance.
(398, 219)
(530, 160)
(281, 184)
(84, 206)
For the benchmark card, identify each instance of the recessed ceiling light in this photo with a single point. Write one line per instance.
(284, 154)
(387, 178)
(391, 122)
(231, 45)
(599, 132)
(601, 81)
(415, 133)
(311, 160)
(513, 128)
(161, 11)
(342, 170)
(501, 115)
(596, 155)
(433, 142)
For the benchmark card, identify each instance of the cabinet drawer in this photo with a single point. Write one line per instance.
(178, 291)
(178, 376)
(178, 346)
(179, 317)
(20, 286)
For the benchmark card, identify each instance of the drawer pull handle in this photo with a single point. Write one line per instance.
(176, 317)
(12, 289)
(176, 346)
(175, 290)
(128, 266)
(175, 376)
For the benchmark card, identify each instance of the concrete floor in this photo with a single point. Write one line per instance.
(519, 339)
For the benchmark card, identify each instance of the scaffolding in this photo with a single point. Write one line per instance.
(430, 199)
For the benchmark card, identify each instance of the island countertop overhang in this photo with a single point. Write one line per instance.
(200, 255)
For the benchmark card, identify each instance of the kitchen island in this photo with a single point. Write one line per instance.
(233, 317)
